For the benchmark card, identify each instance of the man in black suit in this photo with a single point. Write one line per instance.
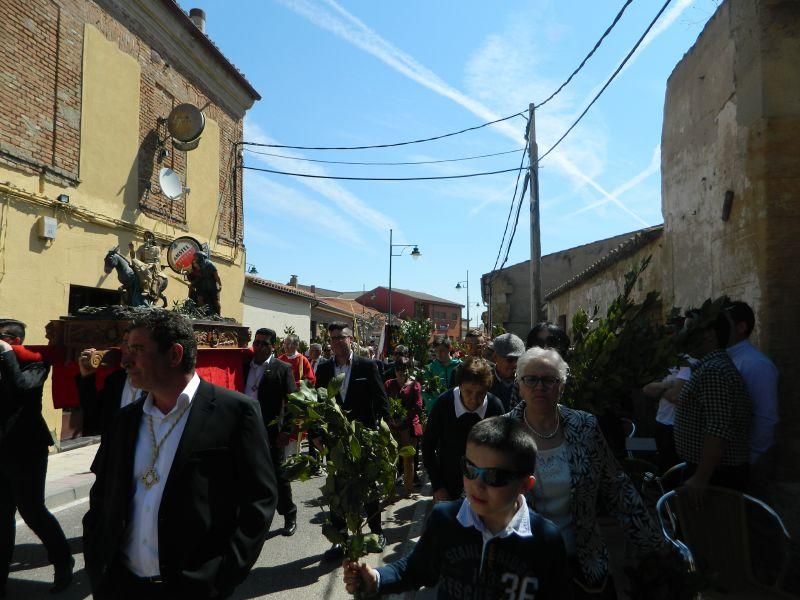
(24, 446)
(268, 381)
(101, 406)
(363, 398)
(185, 489)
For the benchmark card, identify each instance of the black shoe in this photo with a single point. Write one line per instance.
(334, 553)
(289, 527)
(63, 576)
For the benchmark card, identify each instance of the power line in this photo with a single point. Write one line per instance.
(510, 210)
(369, 163)
(393, 145)
(516, 220)
(309, 175)
(610, 79)
(588, 56)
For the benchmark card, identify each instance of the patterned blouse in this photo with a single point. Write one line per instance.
(595, 472)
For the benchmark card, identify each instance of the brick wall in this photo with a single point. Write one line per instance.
(40, 104)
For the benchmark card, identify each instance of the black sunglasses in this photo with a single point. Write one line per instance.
(532, 381)
(491, 476)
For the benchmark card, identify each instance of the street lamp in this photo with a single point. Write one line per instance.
(415, 254)
(458, 287)
(252, 269)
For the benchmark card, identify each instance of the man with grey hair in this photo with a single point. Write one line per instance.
(301, 368)
(315, 355)
(507, 349)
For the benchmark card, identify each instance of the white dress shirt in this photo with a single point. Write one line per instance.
(461, 409)
(338, 370)
(130, 394)
(254, 377)
(520, 523)
(140, 550)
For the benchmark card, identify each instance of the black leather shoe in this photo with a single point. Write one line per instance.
(63, 576)
(289, 527)
(335, 552)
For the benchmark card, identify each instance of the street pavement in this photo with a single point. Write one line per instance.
(287, 568)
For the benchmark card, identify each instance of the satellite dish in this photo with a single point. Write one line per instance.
(170, 183)
(185, 124)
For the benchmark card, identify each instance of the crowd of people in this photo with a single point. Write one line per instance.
(188, 474)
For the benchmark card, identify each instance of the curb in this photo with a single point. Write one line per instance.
(78, 489)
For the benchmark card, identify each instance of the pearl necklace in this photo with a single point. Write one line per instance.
(544, 436)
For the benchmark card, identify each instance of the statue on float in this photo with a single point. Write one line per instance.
(143, 284)
(204, 283)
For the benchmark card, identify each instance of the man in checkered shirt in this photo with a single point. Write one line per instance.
(713, 417)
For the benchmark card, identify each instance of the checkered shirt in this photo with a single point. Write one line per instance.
(714, 402)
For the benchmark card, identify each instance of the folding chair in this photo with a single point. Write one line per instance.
(726, 539)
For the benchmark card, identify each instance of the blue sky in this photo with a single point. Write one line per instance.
(381, 71)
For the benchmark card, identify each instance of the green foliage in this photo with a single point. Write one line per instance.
(415, 334)
(429, 382)
(397, 412)
(618, 353)
(497, 330)
(360, 463)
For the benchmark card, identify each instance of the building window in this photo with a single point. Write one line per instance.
(455, 316)
(81, 295)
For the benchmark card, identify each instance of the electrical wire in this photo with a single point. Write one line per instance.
(510, 211)
(610, 79)
(516, 220)
(588, 56)
(393, 145)
(368, 163)
(341, 178)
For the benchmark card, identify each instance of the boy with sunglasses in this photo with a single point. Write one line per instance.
(488, 545)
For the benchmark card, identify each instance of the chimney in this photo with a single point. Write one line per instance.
(314, 290)
(293, 281)
(198, 17)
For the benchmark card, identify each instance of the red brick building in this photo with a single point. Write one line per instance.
(407, 304)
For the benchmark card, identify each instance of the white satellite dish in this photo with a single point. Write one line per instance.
(170, 183)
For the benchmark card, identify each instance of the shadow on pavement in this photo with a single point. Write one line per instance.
(34, 556)
(30, 590)
(281, 578)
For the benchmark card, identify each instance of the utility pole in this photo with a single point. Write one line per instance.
(536, 242)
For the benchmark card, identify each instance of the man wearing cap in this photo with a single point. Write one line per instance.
(507, 349)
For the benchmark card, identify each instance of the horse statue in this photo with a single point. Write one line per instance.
(142, 283)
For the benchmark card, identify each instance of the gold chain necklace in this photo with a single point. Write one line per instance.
(544, 436)
(150, 477)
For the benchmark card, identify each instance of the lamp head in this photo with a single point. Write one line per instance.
(415, 253)
(458, 285)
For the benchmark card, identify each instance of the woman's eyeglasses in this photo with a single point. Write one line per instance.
(491, 476)
(532, 381)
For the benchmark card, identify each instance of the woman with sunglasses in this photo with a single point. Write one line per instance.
(575, 465)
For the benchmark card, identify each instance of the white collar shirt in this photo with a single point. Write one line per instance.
(140, 549)
(254, 376)
(130, 394)
(520, 523)
(462, 410)
(338, 370)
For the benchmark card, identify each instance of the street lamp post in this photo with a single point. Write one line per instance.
(415, 254)
(458, 287)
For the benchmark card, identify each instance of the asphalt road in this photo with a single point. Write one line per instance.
(287, 568)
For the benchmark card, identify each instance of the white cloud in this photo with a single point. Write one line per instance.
(334, 18)
(351, 205)
(268, 198)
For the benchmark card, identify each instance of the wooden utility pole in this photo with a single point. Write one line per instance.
(536, 242)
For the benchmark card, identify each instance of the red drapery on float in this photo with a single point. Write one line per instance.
(223, 367)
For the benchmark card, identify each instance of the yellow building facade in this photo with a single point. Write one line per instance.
(92, 165)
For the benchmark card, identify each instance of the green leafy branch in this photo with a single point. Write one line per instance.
(360, 463)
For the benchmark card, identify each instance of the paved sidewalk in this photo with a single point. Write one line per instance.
(68, 475)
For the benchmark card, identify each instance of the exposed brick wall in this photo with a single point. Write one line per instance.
(40, 104)
(40, 88)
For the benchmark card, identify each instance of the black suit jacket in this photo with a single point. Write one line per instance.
(100, 406)
(276, 383)
(218, 501)
(23, 431)
(366, 399)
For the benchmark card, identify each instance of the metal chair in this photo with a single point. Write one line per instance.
(726, 539)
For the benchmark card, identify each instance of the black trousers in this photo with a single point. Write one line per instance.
(665, 444)
(373, 518)
(735, 477)
(286, 506)
(22, 489)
